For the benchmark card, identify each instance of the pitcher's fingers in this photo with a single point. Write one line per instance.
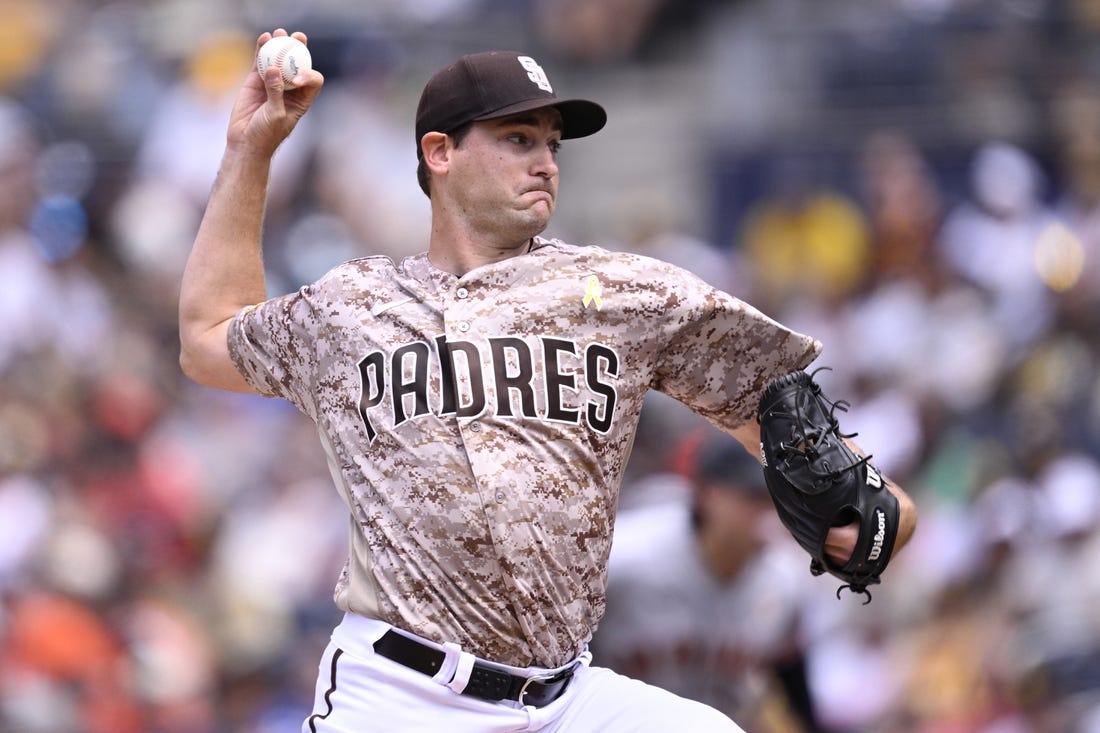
(260, 41)
(273, 81)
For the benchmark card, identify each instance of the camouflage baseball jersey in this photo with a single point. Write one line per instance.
(478, 426)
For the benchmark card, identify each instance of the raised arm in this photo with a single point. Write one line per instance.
(225, 272)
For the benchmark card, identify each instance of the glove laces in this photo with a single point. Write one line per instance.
(807, 445)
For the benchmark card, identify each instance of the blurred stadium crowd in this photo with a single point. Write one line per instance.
(915, 182)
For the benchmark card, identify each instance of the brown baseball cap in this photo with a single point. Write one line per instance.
(485, 86)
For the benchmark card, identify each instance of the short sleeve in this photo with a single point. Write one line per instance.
(273, 346)
(723, 352)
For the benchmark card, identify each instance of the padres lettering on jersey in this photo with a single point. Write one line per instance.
(399, 381)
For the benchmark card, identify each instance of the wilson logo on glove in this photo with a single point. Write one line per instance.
(879, 538)
(874, 478)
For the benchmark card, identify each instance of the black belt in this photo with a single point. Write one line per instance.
(485, 681)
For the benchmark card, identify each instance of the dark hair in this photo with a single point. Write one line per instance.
(422, 173)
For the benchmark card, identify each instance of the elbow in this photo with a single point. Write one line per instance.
(190, 339)
(191, 362)
(204, 358)
(188, 365)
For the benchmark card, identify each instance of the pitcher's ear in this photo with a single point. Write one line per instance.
(436, 151)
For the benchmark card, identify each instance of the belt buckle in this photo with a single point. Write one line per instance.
(563, 675)
(534, 678)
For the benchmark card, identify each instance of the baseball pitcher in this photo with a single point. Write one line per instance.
(477, 404)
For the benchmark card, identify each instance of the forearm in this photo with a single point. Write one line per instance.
(224, 272)
(907, 514)
(907, 510)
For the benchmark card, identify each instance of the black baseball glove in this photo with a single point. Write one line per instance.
(817, 481)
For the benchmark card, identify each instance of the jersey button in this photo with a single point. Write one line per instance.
(475, 427)
(463, 326)
(500, 497)
(462, 292)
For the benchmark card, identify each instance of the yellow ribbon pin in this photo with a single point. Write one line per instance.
(593, 292)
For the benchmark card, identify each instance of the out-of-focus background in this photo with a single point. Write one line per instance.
(915, 182)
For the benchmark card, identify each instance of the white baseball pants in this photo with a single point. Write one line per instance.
(359, 690)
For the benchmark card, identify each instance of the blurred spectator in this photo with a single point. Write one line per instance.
(803, 239)
(31, 28)
(595, 33)
(992, 239)
(904, 207)
(1077, 122)
(365, 162)
(1059, 642)
(26, 274)
(64, 669)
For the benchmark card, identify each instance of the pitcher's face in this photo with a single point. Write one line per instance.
(504, 174)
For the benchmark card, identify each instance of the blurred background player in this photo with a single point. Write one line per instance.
(701, 601)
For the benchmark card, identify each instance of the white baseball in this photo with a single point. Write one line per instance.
(289, 54)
